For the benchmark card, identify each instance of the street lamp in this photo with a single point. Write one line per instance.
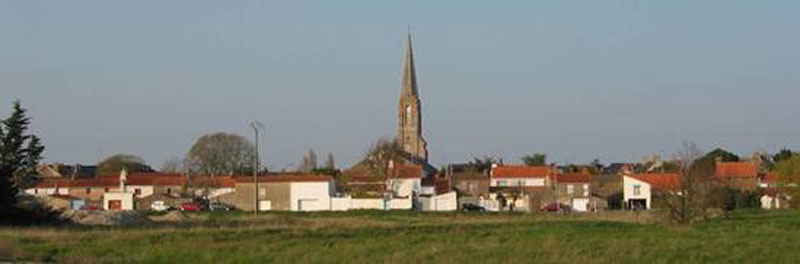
(256, 126)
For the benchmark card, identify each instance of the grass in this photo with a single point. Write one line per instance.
(415, 237)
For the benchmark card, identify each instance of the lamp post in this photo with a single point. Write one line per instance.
(255, 125)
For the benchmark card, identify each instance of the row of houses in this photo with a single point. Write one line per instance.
(402, 187)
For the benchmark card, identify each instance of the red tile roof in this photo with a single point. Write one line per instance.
(284, 178)
(574, 178)
(736, 170)
(660, 181)
(520, 171)
(407, 171)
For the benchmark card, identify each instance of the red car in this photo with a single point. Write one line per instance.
(554, 207)
(191, 207)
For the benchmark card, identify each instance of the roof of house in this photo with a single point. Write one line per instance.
(407, 171)
(574, 178)
(736, 170)
(284, 178)
(520, 171)
(659, 181)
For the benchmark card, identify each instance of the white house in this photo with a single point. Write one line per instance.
(121, 199)
(519, 176)
(636, 193)
(638, 189)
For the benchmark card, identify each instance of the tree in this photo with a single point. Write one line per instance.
(784, 154)
(174, 165)
(381, 153)
(221, 154)
(20, 152)
(329, 162)
(690, 200)
(309, 163)
(789, 178)
(481, 165)
(721, 155)
(114, 164)
(537, 159)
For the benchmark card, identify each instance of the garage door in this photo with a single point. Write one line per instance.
(580, 204)
(307, 205)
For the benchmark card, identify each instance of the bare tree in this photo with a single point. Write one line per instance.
(174, 165)
(329, 162)
(309, 161)
(691, 201)
(382, 154)
(221, 154)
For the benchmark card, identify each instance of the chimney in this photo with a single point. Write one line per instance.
(123, 178)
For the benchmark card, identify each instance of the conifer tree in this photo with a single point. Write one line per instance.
(20, 152)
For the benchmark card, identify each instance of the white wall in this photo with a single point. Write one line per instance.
(310, 191)
(125, 197)
(444, 202)
(146, 190)
(628, 186)
(404, 187)
(367, 204)
(524, 182)
(47, 191)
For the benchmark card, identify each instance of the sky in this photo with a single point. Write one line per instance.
(613, 80)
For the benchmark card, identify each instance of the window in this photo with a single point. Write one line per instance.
(502, 183)
(585, 189)
(570, 188)
(262, 192)
(637, 190)
(137, 192)
(105, 190)
(471, 186)
(88, 190)
(169, 190)
(408, 112)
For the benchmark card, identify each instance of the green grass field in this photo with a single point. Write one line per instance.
(414, 237)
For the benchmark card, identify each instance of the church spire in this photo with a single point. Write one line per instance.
(409, 116)
(409, 73)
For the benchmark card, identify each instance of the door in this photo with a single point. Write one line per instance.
(114, 205)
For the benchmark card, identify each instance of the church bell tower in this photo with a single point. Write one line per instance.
(409, 125)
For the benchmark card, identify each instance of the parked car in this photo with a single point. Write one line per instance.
(160, 206)
(190, 207)
(555, 207)
(219, 207)
(470, 207)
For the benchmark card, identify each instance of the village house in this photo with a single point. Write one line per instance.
(470, 185)
(639, 190)
(575, 190)
(738, 175)
(521, 187)
(282, 192)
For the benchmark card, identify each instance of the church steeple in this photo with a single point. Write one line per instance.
(409, 73)
(409, 128)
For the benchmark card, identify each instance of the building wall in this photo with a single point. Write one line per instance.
(471, 187)
(125, 197)
(316, 193)
(275, 192)
(524, 182)
(579, 190)
(628, 185)
(404, 187)
(145, 190)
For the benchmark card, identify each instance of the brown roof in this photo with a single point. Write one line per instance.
(520, 171)
(284, 178)
(407, 171)
(660, 181)
(574, 178)
(736, 170)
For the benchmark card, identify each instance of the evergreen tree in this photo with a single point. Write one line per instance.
(19, 154)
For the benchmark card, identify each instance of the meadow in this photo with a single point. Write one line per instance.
(415, 237)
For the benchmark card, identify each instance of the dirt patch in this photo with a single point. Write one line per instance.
(106, 218)
(171, 216)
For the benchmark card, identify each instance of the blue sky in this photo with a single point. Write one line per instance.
(578, 80)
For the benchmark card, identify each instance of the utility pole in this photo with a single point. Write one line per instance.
(255, 125)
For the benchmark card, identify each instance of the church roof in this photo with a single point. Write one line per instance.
(409, 73)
